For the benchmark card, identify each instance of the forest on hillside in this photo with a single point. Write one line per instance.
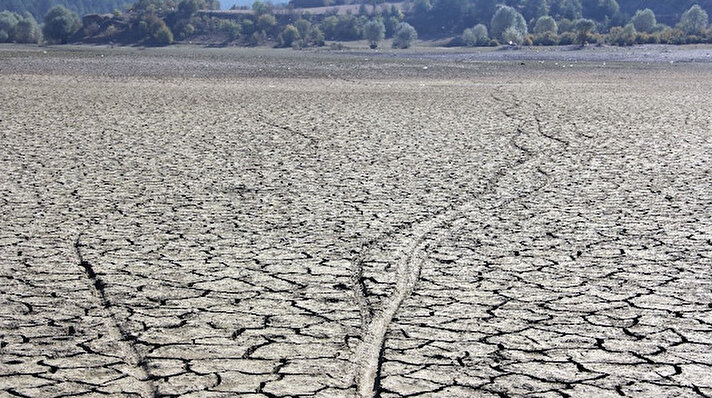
(38, 8)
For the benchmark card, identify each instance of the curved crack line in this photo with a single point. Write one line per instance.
(137, 366)
(374, 323)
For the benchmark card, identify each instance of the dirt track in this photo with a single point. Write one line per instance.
(268, 224)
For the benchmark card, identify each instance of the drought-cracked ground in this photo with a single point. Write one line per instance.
(262, 223)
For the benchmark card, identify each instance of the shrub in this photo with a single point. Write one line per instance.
(694, 21)
(584, 27)
(162, 36)
(303, 26)
(507, 18)
(60, 24)
(374, 31)
(546, 39)
(27, 30)
(622, 36)
(8, 25)
(266, 23)
(644, 20)
(404, 35)
(545, 24)
(477, 36)
(567, 38)
(289, 36)
(565, 25)
(512, 36)
(231, 29)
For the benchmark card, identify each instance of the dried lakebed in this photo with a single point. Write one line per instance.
(340, 227)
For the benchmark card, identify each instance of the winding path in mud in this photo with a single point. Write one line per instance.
(411, 250)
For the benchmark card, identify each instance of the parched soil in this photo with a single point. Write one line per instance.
(266, 223)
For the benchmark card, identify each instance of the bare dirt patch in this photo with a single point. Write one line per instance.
(185, 222)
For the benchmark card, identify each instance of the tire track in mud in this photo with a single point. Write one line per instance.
(137, 368)
(375, 321)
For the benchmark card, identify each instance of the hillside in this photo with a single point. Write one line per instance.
(38, 8)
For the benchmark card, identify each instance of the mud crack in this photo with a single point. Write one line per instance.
(137, 368)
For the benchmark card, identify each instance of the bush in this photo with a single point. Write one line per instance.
(512, 36)
(289, 36)
(60, 24)
(27, 30)
(162, 36)
(622, 36)
(546, 24)
(8, 25)
(644, 20)
(374, 31)
(694, 21)
(231, 29)
(546, 39)
(584, 27)
(507, 18)
(404, 35)
(567, 38)
(477, 36)
(266, 23)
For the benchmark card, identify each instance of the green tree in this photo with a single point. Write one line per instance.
(694, 21)
(507, 17)
(374, 31)
(261, 8)
(584, 27)
(404, 35)
(545, 24)
(534, 9)
(644, 20)
(60, 24)
(266, 23)
(162, 36)
(477, 36)
(289, 36)
(8, 25)
(27, 30)
(303, 26)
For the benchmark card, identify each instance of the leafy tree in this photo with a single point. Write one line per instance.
(8, 25)
(27, 30)
(694, 21)
(477, 36)
(571, 9)
(289, 36)
(546, 24)
(584, 27)
(644, 20)
(60, 24)
(303, 26)
(534, 9)
(374, 31)
(261, 8)
(513, 36)
(162, 36)
(507, 17)
(404, 35)
(266, 23)
(623, 36)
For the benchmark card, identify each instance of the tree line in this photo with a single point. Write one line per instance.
(466, 22)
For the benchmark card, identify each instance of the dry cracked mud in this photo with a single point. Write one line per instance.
(252, 223)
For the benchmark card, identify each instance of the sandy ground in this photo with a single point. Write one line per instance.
(267, 223)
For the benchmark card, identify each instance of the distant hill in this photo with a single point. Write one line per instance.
(38, 8)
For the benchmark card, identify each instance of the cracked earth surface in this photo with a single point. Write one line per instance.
(491, 230)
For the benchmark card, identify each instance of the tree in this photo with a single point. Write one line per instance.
(534, 9)
(584, 27)
(266, 23)
(60, 24)
(289, 36)
(162, 36)
(694, 21)
(644, 20)
(27, 30)
(261, 8)
(546, 24)
(404, 35)
(507, 17)
(8, 25)
(513, 36)
(374, 31)
(477, 36)
(303, 26)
